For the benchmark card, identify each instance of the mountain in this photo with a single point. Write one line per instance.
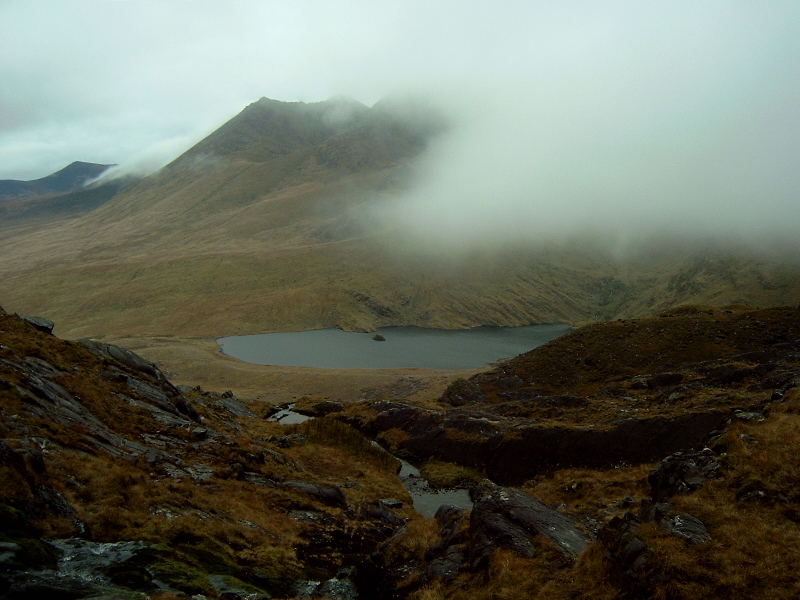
(71, 177)
(268, 225)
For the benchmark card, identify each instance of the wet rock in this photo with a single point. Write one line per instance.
(391, 503)
(87, 569)
(510, 518)
(686, 527)
(40, 323)
(682, 473)
(327, 493)
(337, 589)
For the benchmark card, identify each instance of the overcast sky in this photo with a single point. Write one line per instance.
(578, 109)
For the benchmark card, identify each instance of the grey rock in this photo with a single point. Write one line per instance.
(686, 527)
(41, 323)
(392, 418)
(287, 441)
(510, 518)
(327, 493)
(391, 503)
(380, 512)
(655, 511)
(257, 479)
(682, 473)
(337, 589)
(447, 566)
(200, 472)
(122, 355)
(628, 557)
(747, 416)
(234, 407)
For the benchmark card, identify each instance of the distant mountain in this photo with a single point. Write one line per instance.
(69, 178)
(267, 225)
(41, 209)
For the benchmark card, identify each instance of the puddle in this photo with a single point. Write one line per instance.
(287, 416)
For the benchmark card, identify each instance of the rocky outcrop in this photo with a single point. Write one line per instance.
(682, 473)
(504, 517)
(513, 451)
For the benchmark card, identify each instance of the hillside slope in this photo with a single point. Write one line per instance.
(266, 225)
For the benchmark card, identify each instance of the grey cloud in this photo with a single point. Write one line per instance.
(626, 116)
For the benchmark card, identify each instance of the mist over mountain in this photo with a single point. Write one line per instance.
(71, 177)
(278, 221)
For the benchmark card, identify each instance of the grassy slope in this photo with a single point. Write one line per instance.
(263, 227)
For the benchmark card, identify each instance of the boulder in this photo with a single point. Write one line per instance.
(41, 323)
(686, 527)
(510, 518)
(327, 493)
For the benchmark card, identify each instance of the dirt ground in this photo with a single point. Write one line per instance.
(197, 361)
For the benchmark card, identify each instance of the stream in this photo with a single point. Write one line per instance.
(426, 499)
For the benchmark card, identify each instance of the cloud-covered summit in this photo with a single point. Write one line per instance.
(567, 115)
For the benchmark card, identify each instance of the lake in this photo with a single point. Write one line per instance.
(404, 347)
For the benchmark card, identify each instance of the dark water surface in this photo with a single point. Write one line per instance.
(403, 347)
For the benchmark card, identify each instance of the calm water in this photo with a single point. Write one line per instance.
(404, 347)
(427, 501)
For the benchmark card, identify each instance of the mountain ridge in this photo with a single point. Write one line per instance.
(268, 225)
(70, 178)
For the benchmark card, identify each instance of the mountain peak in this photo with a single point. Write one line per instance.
(71, 177)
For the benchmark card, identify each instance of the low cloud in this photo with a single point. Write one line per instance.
(625, 119)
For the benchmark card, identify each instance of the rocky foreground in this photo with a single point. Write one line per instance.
(647, 458)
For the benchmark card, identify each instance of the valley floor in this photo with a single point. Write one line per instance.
(198, 361)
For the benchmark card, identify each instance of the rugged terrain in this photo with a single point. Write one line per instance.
(269, 225)
(653, 457)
